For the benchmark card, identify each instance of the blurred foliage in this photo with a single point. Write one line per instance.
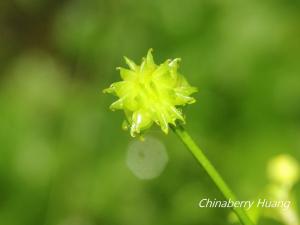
(63, 154)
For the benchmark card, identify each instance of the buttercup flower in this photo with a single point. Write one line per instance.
(151, 93)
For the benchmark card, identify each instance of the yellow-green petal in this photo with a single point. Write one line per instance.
(151, 93)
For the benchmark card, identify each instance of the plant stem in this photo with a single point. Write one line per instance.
(211, 171)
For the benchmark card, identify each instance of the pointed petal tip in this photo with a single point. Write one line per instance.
(116, 105)
(134, 132)
(107, 90)
(193, 100)
(127, 60)
(175, 63)
(165, 129)
(150, 50)
(130, 63)
(149, 59)
(173, 122)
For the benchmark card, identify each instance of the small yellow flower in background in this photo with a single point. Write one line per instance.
(151, 93)
(284, 170)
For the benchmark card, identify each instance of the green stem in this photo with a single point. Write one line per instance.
(211, 171)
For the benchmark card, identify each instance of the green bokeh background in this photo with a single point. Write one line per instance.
(63, 153)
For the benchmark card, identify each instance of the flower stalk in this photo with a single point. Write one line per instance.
(211, 171)
(153, 93)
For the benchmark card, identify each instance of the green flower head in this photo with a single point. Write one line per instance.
(151, 93)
